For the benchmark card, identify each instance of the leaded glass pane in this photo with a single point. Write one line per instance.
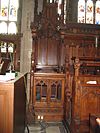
(8, 14)
(59, 6)
(89, 12)
(4, 10)
(51, 1)
(3, 27)
(97, 11)
(13, 10)
(10, 47)
(3, 47)
(65, 12)
(81, 11)
(12, 28)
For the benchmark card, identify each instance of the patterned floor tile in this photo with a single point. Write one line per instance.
(46, 128)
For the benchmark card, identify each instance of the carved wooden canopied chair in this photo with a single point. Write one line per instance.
(47, 71)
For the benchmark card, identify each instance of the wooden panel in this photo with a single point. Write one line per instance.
(19, 105)
(6, 115)
(52, 52)
(12, 106)
(49, 105)
(90, 101)
(85, 99)
(3, 111)
(47, 52)
(42, 51)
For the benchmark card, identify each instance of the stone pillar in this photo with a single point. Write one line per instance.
(26, 41)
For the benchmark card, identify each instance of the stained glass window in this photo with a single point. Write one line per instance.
(12, 28)
(4, 10)
(59, 6)
(89, 11)
(97, 11)
(7, 50)
(65, 4)
(8, 14)
(13, 10)
(81, 11)
(10, 47)
(51, 1)
(3, 27)
(3, 47)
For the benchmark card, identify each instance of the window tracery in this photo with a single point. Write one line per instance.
(89, 11)
(8, 16)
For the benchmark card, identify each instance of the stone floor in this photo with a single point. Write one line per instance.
(42, 127)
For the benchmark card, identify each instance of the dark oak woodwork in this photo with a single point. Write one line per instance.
(56, 46)
(47, 52)
(85, 98)
(47, 72)
(48, 95)
(12, 106)
(80, 42)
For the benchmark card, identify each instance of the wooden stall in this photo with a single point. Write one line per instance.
(47, 71)
(85, 96)
(55, 46)
(80, 41)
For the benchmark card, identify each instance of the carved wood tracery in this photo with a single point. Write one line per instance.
(63, 44)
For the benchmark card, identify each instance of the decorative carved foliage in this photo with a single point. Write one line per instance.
(46, 23)
(48, 110)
